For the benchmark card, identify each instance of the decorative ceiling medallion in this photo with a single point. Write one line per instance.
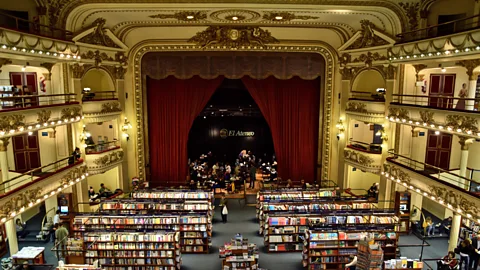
(235, 15)
(182, 16)
(286, 16)
(233, 37)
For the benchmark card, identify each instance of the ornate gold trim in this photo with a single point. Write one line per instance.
(110, 107)
(44, 116)
(326, 119)
(356, 157)
(356, 107)
(283, 16)
(233, 37)
(464, 123)
(187, 16)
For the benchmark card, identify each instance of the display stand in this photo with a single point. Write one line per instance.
(403, 263)
(33, 255)
(239, 254)
(63, 266)
(402, 210)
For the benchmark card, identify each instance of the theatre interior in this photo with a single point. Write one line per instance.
(239, 134)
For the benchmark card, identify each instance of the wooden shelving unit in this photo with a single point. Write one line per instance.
(239, 254)
(370, 256)
(402, 210)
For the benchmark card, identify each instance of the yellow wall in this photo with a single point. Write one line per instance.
(460, 78)
(435, 208)
(362, 133)
(97, 80)
(361, 180)
(109, 178)
(103, 130)
(446, 7)
(368, 81)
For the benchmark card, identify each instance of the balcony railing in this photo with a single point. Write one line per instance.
(101, 95)
(439, 30)
(447, 177)
(13, 102)
(437, 101)
(18, 24)
(369, 96)
(95, 149)
(371, 148)
(27, 178)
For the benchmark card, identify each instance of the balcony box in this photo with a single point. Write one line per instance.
(366, 111)
(101, 161)
(101, 108)
(363, 160)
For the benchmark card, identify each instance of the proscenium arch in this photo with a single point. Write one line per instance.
(374, 77)
(325, 119)
(103, 74)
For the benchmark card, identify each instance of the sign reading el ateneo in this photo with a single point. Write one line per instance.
(224, 133)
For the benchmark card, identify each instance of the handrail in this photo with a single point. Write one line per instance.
(99, 148)
(36, 28)
(432, 31)
(436, 101)
(366, 145)
(444, 176)
(28, 101)
(100, 95)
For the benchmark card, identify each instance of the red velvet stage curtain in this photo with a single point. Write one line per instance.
(291, 109)
(173, 105)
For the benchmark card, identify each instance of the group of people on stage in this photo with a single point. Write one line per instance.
(205, 171)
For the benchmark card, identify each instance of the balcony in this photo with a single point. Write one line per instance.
(363, 159)
(365, 109)
(35, 28)
(440, 30)
(100, 106)
(23, 191)
(103, 157)
(448, 178)
(28, 113)
(438, 102)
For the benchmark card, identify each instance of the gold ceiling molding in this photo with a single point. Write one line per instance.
(110, 107)
(77, 71)
(285, 16)
(71, 112)
(368, 37)
(99, 36)
(4, 144)
(347, 73)
(21, 200)
(235, 15)
(97, 56)
(368, 58)
(399, 113)
(109, 158)
(397, 173)
(324, 50)
(389, 72)
(461, 122)
(233, 37)
(356, 107)
(412, 12)
(187, 16)
(456, 200)
(11, 122)
(344, 59)
(357, 157)
(427, 116)
(44, 116)
(118, 73)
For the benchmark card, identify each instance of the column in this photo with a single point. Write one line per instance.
(464, 143)
(11, 236)
(4, 161)
(470, 66)
(419, 86)
(81, 189)
(51, 206)
(454, 231)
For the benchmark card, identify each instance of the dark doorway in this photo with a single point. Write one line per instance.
(231, 122)
(442, 87)
(438, 150)
(26, 152)
(450, 24)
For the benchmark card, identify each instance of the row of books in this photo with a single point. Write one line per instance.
(142, 220)
(119, 206)
(126, 253)
(172, 194)
(312, 207)
(281, 221)
(265, 195)
(141, 261)
(352, 235)
(130, 237)
(403, 263)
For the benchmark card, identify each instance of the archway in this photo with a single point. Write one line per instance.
(97, 84)
(368, 81)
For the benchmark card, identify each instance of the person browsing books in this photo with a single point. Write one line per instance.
(352, 265)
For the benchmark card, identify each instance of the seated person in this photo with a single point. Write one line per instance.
(448, 262)
(104, 191)
(289, 183)
(74, 157)
(429, 226)
(21, 228)
(304, 185)
(91, 192)
(193, 185)
(445, 226)
(373, 191)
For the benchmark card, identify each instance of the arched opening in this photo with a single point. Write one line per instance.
(368, 82)
(97, 85)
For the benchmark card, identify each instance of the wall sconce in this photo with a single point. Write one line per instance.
(84, 136)
(340, 127)
(125, 127)
(382, 134)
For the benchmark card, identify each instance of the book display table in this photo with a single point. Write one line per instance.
(33, 255)
(239, 254)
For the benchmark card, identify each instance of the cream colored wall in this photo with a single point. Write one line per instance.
(103, 130)
(368, 81)
(410, 81)
(29, 213)
(97, 80)
(362, 133)
(360, 180)
(446, 7)
(435, 208)
(460, 78)
(109, 178)
(474, 158)
(5, 74)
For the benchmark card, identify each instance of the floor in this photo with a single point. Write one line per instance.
(241, 219)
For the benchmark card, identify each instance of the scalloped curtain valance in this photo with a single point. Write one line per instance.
(233, 65)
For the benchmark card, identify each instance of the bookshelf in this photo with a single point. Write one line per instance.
(284, 231)
(239, 254)
(331, 249)
(403, 263)
(370, 255)
(194, 229)
(131, 250)
(468, 229)
(402, 210)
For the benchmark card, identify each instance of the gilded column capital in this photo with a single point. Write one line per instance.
(464, 142)
(390, 72)
(77, 71)
(470, 65)
(419, 68)
(4, 61)
(347, 73)
(4, 144)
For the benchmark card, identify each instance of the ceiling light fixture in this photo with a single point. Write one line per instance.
(278, 18)
(190, 17)
(234, 18)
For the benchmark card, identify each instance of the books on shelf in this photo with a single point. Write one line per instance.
(403, 263)
(239, 254)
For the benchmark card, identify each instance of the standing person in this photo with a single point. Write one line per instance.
(56, 221)
(465, 250)
(61, 235)
(352, 265)
(193, 186)
(253, 175)
(462, 95)
(304, 185)
(223, 208)
(474, 256)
